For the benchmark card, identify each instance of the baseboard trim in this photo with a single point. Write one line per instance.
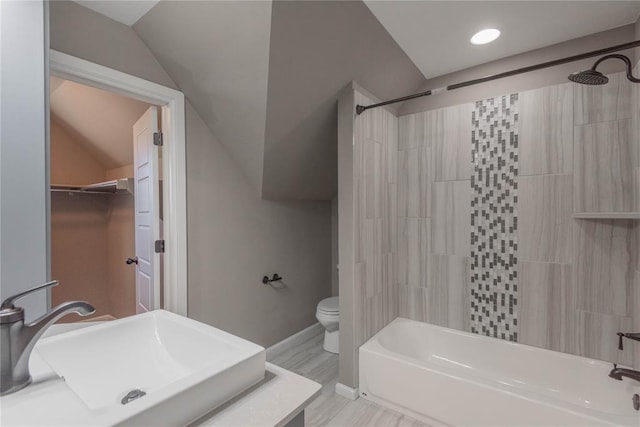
(346, 391)
(294, 340)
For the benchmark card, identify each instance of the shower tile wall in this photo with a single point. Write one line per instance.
(494, 217)
(434, 207)
(635, 136)
(375, 159)
(604, 251)
(578, 280)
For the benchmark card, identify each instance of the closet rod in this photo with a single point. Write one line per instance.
(62, 190)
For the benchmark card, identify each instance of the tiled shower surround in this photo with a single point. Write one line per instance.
(375, 150)
(487, 241)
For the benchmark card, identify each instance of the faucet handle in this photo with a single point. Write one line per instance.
(8, 303)
(620, 336)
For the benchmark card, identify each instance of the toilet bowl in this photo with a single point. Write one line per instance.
(328, 314)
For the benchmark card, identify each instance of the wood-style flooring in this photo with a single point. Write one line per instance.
(330, 409)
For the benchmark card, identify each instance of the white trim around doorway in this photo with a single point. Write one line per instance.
(174, 191)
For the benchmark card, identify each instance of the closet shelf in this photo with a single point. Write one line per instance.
(116, 186)
(606, 215)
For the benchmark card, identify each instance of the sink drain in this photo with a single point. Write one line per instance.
(132, 395)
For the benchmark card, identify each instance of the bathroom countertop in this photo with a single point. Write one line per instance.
(275, 401)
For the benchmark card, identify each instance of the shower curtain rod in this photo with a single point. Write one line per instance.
(362, 108)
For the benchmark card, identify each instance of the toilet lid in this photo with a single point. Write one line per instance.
(329, 305)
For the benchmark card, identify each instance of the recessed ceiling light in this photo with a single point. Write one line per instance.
(485, 36)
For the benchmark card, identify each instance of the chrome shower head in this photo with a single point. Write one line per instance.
(589, 77)
(593, 77)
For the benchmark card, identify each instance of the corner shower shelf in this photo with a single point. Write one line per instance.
(606, 215)
(116, 186)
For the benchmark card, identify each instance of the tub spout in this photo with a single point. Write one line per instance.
(17, 339)
(618, 373)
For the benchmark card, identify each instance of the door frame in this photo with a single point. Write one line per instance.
(174, 188)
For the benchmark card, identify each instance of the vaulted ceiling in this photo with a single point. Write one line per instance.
(101, 121)
(265, 75)
(218, 55)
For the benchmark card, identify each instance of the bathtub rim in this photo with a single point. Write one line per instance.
(374, 347)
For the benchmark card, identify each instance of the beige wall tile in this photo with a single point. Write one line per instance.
(403, 183)
(373, 256)
(390, 159)
(360, 280)
(415, 175)
(452, 144)
(423, 187)
(418, 244)
(374, 293)
(636, 189)
(597, 337)
(603, 265)
(373, 177)
(547, 306)
(449, 290)
(544, 218)
(546, 130)
(389, 218)
(390, 288)
(608, 102)
(402, 257)
(635, 123)
(636, 317)
(637, 246)
(451, 218)
(412, 131)
(413, 303)
(359, 212)
(603, 165)
(375, 124)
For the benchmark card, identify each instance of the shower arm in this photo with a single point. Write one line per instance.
(362, 108)
(624, 59)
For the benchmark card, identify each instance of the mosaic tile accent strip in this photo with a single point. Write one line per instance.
(494, 220)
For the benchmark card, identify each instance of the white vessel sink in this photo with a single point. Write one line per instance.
(183, 367)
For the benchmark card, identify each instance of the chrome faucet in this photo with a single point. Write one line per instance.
(17, 339)
(617, 373)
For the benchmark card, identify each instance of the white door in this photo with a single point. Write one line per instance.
(145, 161)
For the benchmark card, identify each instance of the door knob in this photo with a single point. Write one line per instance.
(132, 260)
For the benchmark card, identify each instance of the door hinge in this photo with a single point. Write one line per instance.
(157, 139)
(159, 244)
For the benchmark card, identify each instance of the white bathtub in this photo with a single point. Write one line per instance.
(447, 377)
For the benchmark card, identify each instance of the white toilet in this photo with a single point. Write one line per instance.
(328, 314)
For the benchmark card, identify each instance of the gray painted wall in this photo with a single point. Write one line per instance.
(23, 169)
(635, 120)
(533, 80)
(88, 35)
(234, 238)
(334, 246)
(220, 60)
(317, 48)
(270, 95)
